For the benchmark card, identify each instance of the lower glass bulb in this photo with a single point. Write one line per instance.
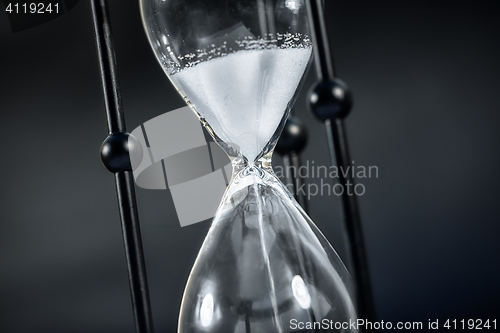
(264, 266)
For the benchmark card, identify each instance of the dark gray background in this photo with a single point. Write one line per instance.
(425, 77)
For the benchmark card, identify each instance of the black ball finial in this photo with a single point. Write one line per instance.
(330, 99)
(116, 150)
(293, 138)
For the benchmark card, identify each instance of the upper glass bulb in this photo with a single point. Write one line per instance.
(238, 64)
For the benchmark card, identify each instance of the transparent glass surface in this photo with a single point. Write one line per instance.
(264, 266)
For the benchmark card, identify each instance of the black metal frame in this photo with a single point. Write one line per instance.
(115, 150)
(114, 154)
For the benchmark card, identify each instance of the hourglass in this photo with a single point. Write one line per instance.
(264, 265)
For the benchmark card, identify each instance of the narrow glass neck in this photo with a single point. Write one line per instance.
(240, 164)
(252, 175)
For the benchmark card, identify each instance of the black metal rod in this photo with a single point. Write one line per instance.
(107, 64)
(353, 233)
(123, 176)
(291, 143)
(322, 51)
(337, 142)
(291, 164)
(299, 182)
(289, 176)
(133, 251)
